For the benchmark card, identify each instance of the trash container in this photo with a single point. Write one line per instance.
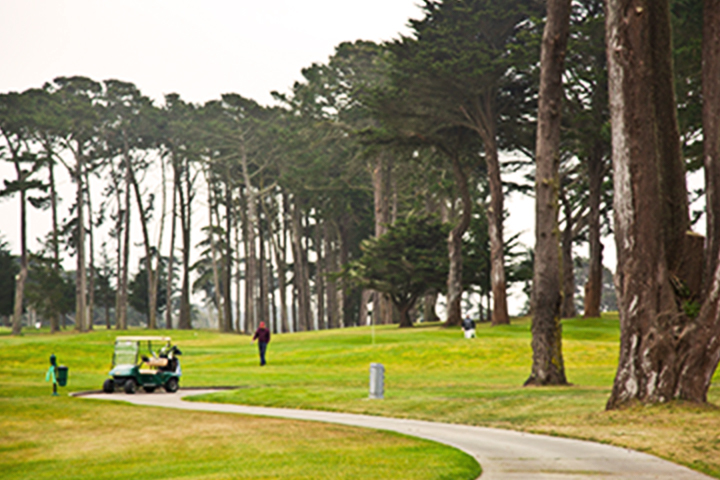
(62, 375)
(377, 380)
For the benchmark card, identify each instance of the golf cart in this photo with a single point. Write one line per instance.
(136, 363)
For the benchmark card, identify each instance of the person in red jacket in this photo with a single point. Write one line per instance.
(262, 335)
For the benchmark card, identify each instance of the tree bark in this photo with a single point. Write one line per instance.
(321, 267)
(213, 212)
(158, 257)
(81, 274)
(567, 308)
(711, 133)
(185, 197)
(593, 287)
(404, 311)
(495, 213)
(332, 291)
(91, 256)
(55, 321)
(288, 323)
(278, 248)
(251, 275)
(664, 353)
(548, 367)
(171, 256)
(274, 317)
(152, 285)
(430, 299)
(343, 232)
(382, 307)
(264, 273)
(302, 284)
(23, 273)
(454, 282)
(239, 323)
(228, 258)
(123, 227)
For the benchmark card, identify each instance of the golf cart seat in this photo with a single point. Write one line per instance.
(157, 362)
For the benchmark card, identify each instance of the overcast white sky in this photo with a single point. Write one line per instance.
(198, 49)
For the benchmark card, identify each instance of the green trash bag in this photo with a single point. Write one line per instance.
(62, 375)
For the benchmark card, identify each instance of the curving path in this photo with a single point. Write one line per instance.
(503, 454)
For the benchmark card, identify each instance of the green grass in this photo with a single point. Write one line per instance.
(432, 373)
(46, 437)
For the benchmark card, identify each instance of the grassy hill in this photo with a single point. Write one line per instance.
(432, 373)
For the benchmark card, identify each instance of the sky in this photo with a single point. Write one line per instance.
(197, 49)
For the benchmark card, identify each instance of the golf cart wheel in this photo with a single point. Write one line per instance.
(130, 386)
(109, 386)
(149, 389)
(172, 385)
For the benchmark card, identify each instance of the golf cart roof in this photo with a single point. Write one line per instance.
(143, 339)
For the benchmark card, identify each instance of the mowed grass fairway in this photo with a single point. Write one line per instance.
(432, 373)
(44, 437)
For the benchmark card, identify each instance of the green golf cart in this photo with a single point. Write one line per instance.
(144, 361)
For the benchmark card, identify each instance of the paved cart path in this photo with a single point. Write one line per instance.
(503, 454)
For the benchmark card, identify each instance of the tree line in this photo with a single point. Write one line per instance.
(342, 194)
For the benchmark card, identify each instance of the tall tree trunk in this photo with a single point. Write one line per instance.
(548, 367)
(81, 274)
(331, 260)
(487, 131)
(343, 233)
(278, 248)
(54, 321)
(321, 266)
(382, 307)
(152, 285)
(274, 317)
(119, 233)
(454, 282)
(213, 213)
(23, 273)
(158, 257)
(429, 303)
(91, 257)
(122, 322)
(699, 347)
(711, 133)
(567, 309)
(404, 311)
(430, 299)
(264, 273)
(171, 256)
(249, 310)
(251, 275)
(500, 314)
(185, 196)
(307, 241)
(593, 287)
(239, 323)
(664, 354)
(301, 272)
(283, 244)
(228, 259)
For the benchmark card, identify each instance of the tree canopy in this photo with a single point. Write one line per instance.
(404, 263)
